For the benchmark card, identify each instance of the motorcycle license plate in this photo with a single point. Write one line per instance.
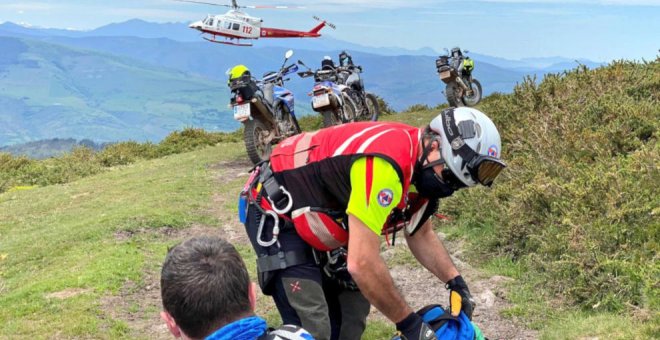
(242, 112)
(445, 74)
(321, 100)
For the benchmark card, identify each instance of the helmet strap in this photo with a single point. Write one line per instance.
(455, 138)
(426, 150)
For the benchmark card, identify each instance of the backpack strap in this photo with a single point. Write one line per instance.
(435, 316)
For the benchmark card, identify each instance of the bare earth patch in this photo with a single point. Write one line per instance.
(421, 288)
(139, 305)
(67, 293)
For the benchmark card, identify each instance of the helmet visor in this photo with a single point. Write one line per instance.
(484, 169)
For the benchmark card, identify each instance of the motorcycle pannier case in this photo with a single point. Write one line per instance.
(319, 229)
(440, 62)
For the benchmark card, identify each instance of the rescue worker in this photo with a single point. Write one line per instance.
(363, 179)
(207, 294)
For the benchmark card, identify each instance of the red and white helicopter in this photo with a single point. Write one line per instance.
(236, 25)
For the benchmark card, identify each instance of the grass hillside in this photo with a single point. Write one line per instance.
(573, 220)
(50, 91)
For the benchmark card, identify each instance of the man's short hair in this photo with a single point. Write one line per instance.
(204, 285)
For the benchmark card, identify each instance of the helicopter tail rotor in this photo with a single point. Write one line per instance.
(329, 24)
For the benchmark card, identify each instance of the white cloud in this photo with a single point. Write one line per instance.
(154, 14)
(22, 7)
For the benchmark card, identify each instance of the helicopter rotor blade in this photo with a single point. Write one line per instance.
(274, 7)
(203, 3)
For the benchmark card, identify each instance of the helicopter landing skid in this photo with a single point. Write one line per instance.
(227, 42)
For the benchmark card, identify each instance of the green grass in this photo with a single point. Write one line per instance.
(70, 236)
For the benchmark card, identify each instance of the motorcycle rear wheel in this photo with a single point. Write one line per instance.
(255, 137)
(331, 118)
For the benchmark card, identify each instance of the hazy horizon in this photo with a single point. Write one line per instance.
(599, 30)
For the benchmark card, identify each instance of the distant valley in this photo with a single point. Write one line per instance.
(138, 80)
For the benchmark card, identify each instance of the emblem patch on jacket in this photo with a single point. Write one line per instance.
(385, 197)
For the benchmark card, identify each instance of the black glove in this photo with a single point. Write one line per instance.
(336, 269)
(414, 328)
(460, 297)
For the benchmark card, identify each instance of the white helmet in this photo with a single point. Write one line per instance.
(288, 332)
(470, 145)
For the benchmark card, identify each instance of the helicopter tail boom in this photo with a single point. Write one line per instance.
(282, 33)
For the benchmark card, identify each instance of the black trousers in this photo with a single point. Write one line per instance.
(303, 294)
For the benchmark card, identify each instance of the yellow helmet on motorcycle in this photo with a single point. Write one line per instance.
(468, 64)
(238, 71)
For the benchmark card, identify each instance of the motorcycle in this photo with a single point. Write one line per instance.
(266, 110)
(456, 71)
(365, 102)
(330, 98)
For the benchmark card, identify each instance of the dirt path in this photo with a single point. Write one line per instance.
(139, 307)
(421, 288)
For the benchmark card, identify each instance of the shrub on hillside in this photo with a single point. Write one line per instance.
(126, 152)
(384, 107)
(310, 122)
(83, 161)
(579, 202)
(416, 107)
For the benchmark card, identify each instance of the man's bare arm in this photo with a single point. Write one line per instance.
(431, 253)
(370, 272)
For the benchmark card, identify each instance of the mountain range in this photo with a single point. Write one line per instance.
(139, 80)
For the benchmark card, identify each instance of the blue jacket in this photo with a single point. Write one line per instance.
(249, 328)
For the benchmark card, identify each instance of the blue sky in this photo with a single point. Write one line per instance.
(600, 30)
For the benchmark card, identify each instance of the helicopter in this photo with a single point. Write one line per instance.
(236, 25)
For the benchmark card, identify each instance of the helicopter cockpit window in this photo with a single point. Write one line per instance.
(228, 25)
(211, 21)
(236, 26)
(219, 24)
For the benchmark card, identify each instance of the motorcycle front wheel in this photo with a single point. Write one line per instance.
(475, 98)
(292, 127)
(452, 91)
(372, 107)
(256, 140)
(349, 109)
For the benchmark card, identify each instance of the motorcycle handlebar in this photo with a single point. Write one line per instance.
(305, 74)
